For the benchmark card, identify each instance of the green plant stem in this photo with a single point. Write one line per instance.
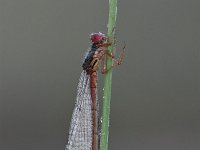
(108, 77)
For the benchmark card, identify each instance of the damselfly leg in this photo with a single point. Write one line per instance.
(116, 61)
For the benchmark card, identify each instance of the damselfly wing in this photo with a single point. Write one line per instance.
(80, 134)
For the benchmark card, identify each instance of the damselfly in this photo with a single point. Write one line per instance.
(84, 129)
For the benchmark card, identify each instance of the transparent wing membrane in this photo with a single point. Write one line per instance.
(80, 134)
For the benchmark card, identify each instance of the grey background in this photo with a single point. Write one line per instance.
(156, 92)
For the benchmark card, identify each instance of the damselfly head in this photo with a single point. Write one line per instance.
(97, 37)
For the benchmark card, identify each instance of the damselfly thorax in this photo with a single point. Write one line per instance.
(91, 63)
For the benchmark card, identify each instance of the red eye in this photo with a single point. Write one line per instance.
(97, 37)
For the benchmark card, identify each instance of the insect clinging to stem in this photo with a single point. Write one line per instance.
(84, 129)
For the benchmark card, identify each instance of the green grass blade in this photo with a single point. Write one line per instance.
(108, 77)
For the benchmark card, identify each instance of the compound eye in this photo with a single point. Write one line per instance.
(97, 37)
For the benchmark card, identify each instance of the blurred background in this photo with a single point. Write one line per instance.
(156, 92)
